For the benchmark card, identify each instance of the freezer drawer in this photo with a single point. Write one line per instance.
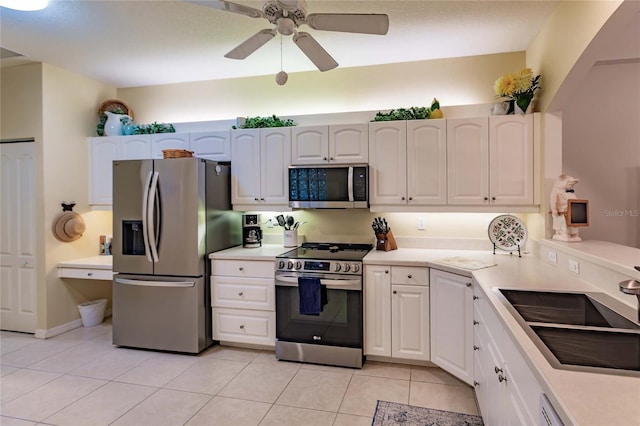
(162, 313)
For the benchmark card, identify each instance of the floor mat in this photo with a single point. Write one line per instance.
(392, 413)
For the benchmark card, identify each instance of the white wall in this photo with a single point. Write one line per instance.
(601, 147)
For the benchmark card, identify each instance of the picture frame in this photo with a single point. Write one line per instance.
(577, 214)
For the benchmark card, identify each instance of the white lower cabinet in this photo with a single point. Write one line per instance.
(397, 312)
(243, 301)
(507, 391)
(452, 323)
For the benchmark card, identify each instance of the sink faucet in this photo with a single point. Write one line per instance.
(632, 287)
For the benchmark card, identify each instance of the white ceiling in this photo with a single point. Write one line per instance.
(140, 43)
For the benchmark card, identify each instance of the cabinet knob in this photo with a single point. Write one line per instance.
(475, 322)
(476, 384)
(493, 199)
(240, 294)
(410, 198)
(475, 348)
(386, 271)
(468, 284)
(475, 298)
(497, 370)
(331, 158)
(261, 199)
(255, 199)
(409, 276)
(402, 198)
(90, 274)
(242, 327)
(486, 198)
(324, 158)
(502, 378)
(241, 268)
(395, 292)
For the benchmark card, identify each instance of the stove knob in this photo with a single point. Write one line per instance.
(338, 267)
(355, 268)
(281, 264)
(347, 267)
(289, 265)
(298, 265)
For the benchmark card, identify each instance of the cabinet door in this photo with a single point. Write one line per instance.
(427, 162)
(349, 143)
(275, 161)
(452, 324)
(135, 147)
(309, 145)
(511, 159)
(410, 322)
(162, 141)
(102, 151)
(388, 162)
(377, 319)
(468, 161)
(245, 172)
(211, 145)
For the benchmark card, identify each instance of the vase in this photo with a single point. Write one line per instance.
(523, 105)
(500, 108)
(113, 125)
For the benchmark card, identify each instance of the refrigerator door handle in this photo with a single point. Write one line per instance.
(145, 224)
(151, 205)
(156, 283)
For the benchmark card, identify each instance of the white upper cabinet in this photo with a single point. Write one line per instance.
(427, 162)
(490, 160)
(388, 162)
(102, 152)
(160, 141)
(511, 159)
(135, 147)
(468, 160)
(334, 144)
(211, 145)
(260, 158)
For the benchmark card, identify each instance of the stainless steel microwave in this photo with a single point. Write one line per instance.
(339, 186)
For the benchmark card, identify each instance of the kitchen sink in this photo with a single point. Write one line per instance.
(578, 331)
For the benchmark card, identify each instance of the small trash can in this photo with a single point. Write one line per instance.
(92, 312)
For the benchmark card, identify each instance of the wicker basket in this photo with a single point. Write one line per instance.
(176, 153)
(115, 104)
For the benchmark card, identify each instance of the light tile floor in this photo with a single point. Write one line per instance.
(80, 378)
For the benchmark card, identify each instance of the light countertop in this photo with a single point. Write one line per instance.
(582, 398)
(266, 252)
(93, 262)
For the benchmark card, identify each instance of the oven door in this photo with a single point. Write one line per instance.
(339, 323)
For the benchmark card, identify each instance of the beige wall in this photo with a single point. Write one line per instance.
(458, 81)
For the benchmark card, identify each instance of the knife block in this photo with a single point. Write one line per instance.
(386, 241)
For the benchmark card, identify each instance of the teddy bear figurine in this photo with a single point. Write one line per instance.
(561, 192)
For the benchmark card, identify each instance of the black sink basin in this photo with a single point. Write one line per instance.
(565, 308)
(578, 331)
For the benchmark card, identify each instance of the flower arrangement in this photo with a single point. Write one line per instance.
(518, 87)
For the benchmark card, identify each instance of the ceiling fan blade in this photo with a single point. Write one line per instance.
(314, 51)
(230, 7)
(350, 22)
(252, 44)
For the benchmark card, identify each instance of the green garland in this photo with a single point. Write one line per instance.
(262, 122)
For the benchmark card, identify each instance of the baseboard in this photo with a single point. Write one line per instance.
(46, 333)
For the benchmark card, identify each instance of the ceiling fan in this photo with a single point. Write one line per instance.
(288, 15)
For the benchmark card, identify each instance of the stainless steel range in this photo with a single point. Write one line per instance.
(319, 304)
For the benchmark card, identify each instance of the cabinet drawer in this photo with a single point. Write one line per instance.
(244, 326)
(86, 274)
(244, 293)
(243, 268)
(409, 275)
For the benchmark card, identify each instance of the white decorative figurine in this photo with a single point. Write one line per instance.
(561, 192)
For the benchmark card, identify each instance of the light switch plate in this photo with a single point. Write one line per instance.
(553, 257)
(421, 224)
(574, 266)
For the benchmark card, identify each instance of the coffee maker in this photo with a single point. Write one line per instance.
(251, 231)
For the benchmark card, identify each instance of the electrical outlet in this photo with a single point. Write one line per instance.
(421, 224)
(270, 223)
(574, 266)
(553, 257)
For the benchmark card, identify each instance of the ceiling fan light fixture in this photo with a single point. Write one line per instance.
(286, 26)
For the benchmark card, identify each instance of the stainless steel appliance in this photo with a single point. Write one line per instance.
(251, 230)
(168, 215)
(334, 335)
(329, 186)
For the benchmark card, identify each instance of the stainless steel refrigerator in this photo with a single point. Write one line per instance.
(168, 215)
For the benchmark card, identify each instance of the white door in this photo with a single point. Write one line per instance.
(427, 162)
(275, 153)
(410, 322)
(309, 145)
(245, 172)
(377, 310)
(17, 237)
(349, 143)
(468, 161)
(388, 162)
(102, 151)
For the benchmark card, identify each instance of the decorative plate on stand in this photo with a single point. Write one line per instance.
(507, 232)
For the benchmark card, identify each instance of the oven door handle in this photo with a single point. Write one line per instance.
(339, 284)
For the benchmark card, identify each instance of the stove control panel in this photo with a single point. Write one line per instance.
(305, 265)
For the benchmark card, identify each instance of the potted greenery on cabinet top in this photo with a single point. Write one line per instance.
(262, 122)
